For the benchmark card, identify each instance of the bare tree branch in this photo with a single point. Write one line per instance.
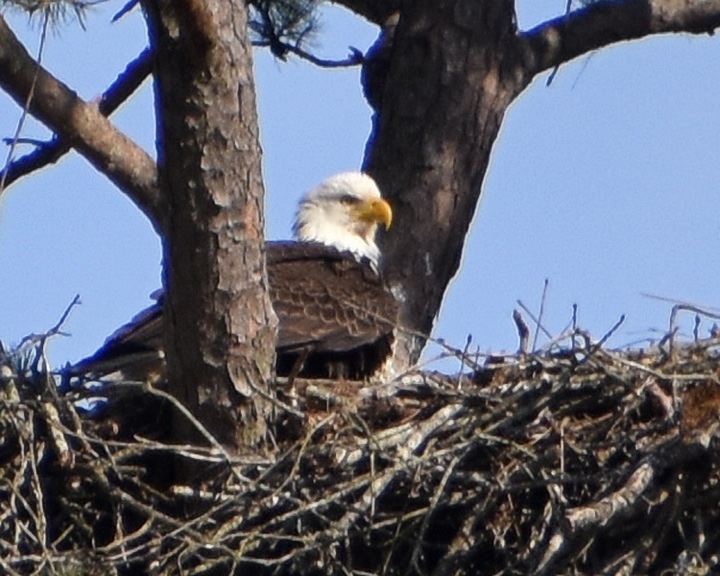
(355, 58)
(604, 23)
(82, 125)
(51, 151)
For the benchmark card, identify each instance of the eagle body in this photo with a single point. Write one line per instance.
(336, 317)
(333, 309)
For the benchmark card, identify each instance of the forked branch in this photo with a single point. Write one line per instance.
(603, 23)
(51, 151)
(82, 124)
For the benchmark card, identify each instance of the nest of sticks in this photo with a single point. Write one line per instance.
(573, 460)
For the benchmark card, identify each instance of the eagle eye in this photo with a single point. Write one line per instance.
(348, 200)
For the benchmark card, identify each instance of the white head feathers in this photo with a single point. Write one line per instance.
(344, 212)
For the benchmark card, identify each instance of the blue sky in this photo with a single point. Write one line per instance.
(606, 183)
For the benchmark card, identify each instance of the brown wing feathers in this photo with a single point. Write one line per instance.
(326, 299)
(331, 306)
(333, 310)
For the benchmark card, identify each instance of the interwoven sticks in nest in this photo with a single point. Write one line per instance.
(585, 461)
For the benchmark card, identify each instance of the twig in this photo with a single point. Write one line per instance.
(62, 451)
(610, 332)
(39, 342)
(439, 493)
(26, 107)
(280, 48)
(573, 325)
(684, 306)
(54, 330)
(23, 141)
(199, 427)
(534, 319)
(463, 360)
(129, 5)
(555, 70)
(540, 313)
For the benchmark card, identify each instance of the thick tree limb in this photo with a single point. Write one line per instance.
(431, 143)
(81, 124)
(220, 327)
(117, 93)
(567, 37)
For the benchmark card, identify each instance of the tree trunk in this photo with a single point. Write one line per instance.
(449, 81)
(220, 328)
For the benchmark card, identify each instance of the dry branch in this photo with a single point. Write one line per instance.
(117, 93)
(81, 124)
(570, 460)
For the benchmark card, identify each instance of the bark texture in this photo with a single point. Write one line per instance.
(447, 88)
(220, 327)
(440, 78)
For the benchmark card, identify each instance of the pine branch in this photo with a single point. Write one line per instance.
(52, 150)
(608, 22)
(280, 49)
(81, 123)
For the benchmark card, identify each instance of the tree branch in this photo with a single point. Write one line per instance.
(355, 58)
(51, 151)
(608, 22)
(80, 124)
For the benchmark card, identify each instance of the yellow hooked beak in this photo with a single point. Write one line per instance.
(377, 210)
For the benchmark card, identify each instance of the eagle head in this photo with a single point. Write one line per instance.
(344, 212)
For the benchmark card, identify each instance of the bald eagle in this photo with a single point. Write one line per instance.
(336, 316)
